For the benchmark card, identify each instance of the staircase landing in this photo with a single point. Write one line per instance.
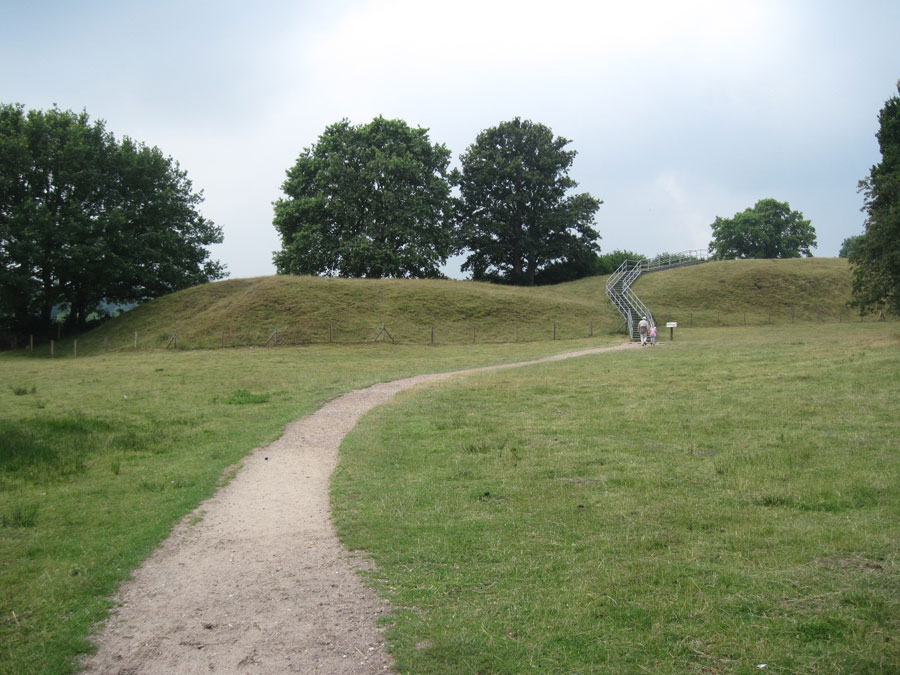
(618, 286)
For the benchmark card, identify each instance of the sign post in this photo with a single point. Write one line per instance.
(672, 325)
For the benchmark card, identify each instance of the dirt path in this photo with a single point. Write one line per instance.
(256, 580)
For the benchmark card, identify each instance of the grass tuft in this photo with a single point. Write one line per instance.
(243, 397)
(20, 515)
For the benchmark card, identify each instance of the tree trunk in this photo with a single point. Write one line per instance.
(532, 270)
(47, 304)
(517, 264)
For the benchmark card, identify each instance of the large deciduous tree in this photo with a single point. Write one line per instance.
(84, 218)
(768, 230)
(516, 216)
(876, 255)
(367, 201)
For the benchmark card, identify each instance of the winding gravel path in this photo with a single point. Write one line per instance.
(255, 580)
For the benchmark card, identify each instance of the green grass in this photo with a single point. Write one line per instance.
(104, 454)
(708, 505)
(307, 310)
(100, 456)
(756, 291)
(730, 293)
(242, 397)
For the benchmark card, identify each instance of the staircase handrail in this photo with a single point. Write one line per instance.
(616, 276)
(675, 259)
(618, 288)
(618, 285)
(640, 308)
(631, 268)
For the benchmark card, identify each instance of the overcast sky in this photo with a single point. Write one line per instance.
(679, 111)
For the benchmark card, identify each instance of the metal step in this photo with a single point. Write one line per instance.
(618, 286)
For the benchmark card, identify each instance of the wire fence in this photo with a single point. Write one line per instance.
(338, 333)
(486, 331)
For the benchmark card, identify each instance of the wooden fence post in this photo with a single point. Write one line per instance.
(51, 349)
(75, 347)
(331, 332)
(135, 339)
(473, 335)
(554, 330)
(591, 331)
(31, 343)
(432, 333)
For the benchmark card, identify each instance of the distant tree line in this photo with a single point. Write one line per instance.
(376, 200)
(86, 219)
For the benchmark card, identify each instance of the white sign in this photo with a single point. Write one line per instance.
(672, 324)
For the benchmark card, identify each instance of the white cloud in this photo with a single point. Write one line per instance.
(389, 46)
(679, 111)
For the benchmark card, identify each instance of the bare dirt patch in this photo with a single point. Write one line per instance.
(255, 579)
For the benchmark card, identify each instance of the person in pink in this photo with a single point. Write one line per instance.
(652, 333)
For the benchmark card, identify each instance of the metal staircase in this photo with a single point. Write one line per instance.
(618, 286)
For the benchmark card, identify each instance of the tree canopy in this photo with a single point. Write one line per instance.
(876, 256)
(768, 230)
(367, 201)
(85, 218)
(515, 214)
(610, 262)
(848, 246)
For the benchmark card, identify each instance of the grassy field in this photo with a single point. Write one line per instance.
(728, 293)
(714, 504)
(756, 291)
(307, 310)
(100, 456)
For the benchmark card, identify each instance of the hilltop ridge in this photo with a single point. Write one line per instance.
(315, 309)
